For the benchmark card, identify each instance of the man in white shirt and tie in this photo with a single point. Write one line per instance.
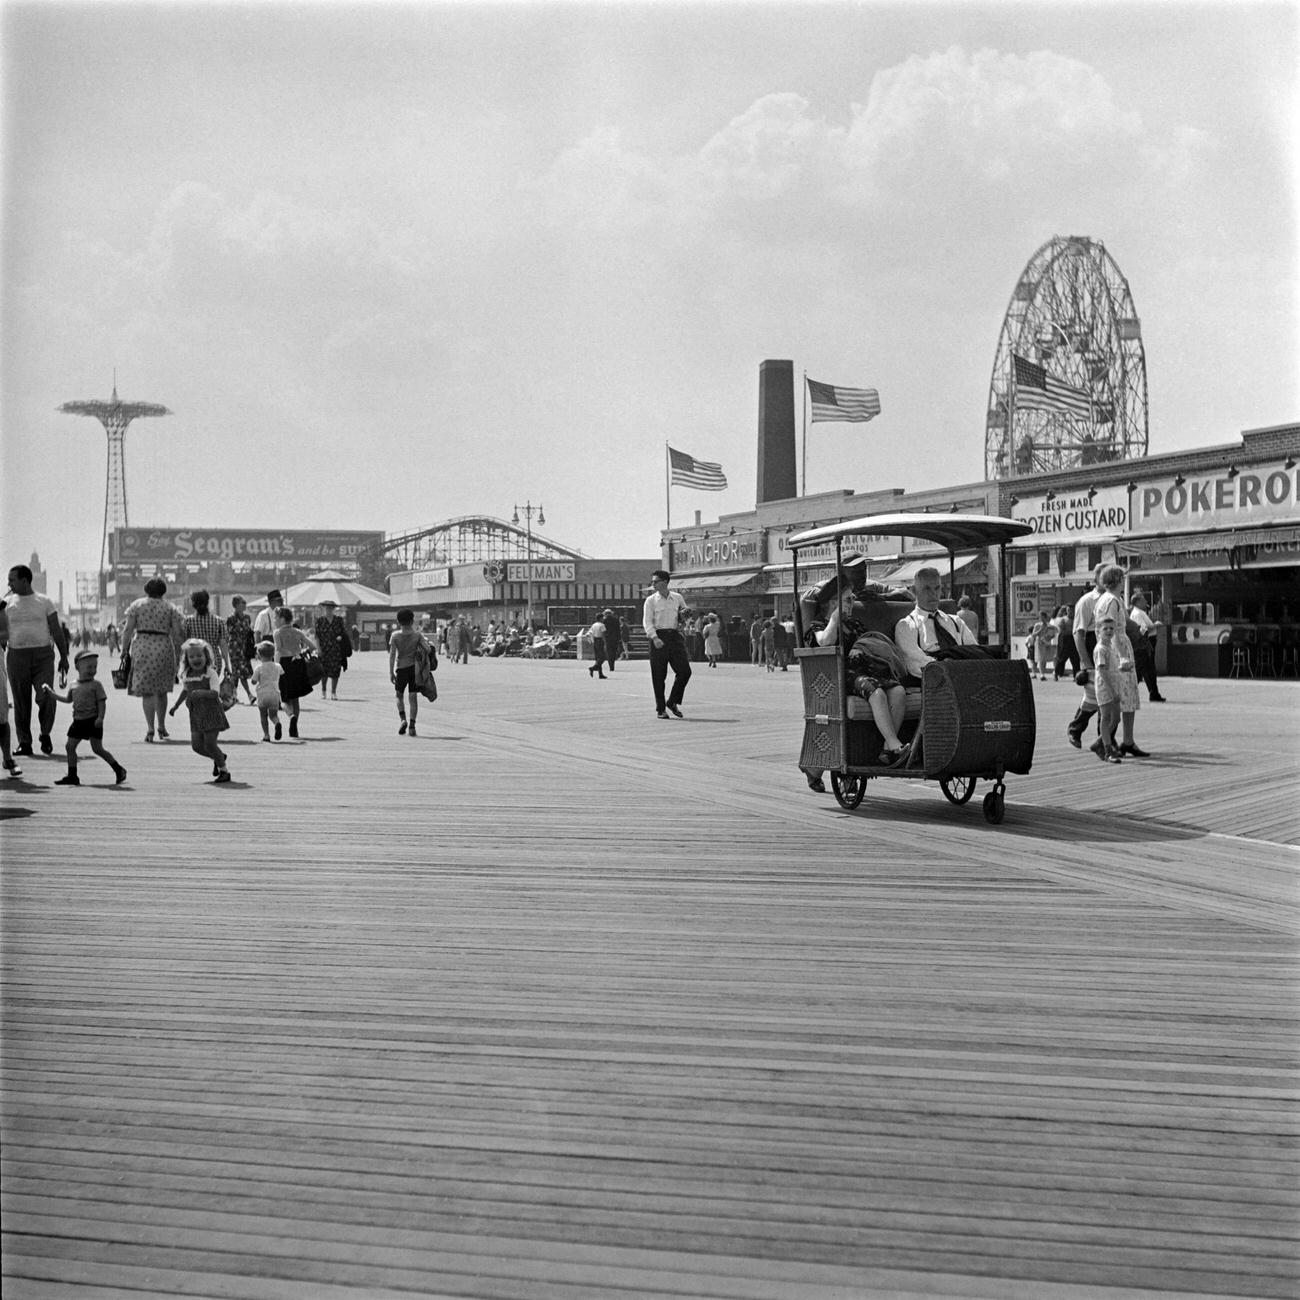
(927, 629)
(266, 622)
(660, 616)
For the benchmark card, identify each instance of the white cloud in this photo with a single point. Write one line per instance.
(962, 126)
(774, 148)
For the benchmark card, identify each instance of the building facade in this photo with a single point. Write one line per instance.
(563, 594)
(1211, 535)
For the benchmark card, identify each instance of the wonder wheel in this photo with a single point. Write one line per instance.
(1079, 394)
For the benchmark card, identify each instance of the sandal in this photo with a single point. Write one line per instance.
(148, 737)
(892, 757)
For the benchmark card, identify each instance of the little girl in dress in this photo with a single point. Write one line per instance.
(201, 690)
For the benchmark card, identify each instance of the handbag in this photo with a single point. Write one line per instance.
(315, 669)
(122, 673)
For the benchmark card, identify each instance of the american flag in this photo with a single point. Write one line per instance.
(689, 472)
(1036, 390)
(850, 404)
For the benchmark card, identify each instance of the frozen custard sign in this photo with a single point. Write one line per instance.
(233, 545)
(1074, 515)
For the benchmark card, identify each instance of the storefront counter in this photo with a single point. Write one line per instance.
(1232, 650)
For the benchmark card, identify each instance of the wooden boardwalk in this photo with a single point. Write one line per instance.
(559, 1000)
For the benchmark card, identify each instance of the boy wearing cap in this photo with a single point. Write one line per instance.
(89, 702)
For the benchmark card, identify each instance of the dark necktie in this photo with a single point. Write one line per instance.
(945, 638)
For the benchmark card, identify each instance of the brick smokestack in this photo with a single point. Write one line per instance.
(776, 449)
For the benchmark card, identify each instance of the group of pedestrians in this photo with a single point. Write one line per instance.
(211, 659)
(1114, 653)
(771, 642)
(606, 637)
(35, 643)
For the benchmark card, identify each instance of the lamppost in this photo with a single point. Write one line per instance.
(529, 511)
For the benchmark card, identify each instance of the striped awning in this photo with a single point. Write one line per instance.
(906, 572)
(714, 581)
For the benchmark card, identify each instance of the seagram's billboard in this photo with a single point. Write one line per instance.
(233, 545)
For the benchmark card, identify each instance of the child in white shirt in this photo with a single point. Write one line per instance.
(266, 683)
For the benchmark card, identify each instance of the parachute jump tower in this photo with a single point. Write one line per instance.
(115, 415)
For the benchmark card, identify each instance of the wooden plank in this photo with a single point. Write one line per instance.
(558, 999)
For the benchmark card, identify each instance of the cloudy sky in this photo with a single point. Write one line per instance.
(396, 262)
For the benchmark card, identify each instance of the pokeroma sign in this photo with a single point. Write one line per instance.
(1201, 501)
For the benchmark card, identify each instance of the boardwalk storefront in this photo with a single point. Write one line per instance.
(1211, 536)
(1222, 548)
(565, 595)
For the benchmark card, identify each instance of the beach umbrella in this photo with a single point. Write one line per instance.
(342, 591)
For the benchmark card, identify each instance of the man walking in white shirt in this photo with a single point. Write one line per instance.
(265, 624)
(660, 617)
(1085, 639)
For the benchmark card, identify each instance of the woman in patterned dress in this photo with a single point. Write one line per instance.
(152, 637)
(239, 636)
(334, 646)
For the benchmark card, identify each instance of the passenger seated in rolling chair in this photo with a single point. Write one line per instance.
(873, 669)
(927, 629)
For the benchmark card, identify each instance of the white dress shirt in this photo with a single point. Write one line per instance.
(916, 639)
(662, 612)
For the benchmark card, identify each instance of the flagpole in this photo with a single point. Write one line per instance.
(668, 500)
(1011, 417)
(805, 433)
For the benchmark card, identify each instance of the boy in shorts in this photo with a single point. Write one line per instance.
(89, 702)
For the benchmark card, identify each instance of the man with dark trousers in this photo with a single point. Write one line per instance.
(1144, 645)
(660, 617)
(613, 637)
(1085, 639)
(34, 633)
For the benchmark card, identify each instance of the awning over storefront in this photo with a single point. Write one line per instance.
(714, 581)
(1056, 541)
(1215, 549)
(906, 572)
(1214, 542)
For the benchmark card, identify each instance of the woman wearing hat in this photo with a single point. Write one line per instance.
(335, 647)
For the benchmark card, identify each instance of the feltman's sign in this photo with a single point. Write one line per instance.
(201, 545)
(1073, 515)
(1225, 500)
(543, 571)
